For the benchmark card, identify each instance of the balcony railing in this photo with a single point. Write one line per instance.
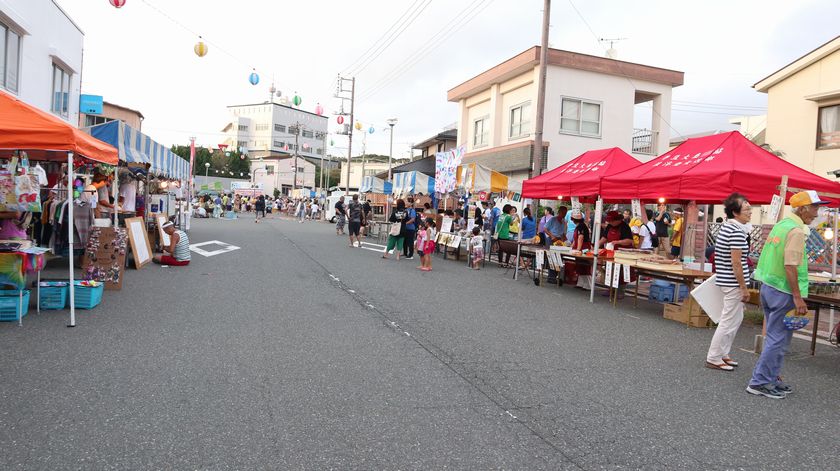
(644, 141)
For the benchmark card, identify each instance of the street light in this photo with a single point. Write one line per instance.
(391, 122)
(206, 169)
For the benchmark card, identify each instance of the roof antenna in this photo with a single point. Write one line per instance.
(612, 53)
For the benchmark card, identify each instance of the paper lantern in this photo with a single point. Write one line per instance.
(254, 78)
(340, 119)
(117, 3)
(358, 125)
(297, 100)
(319, 110)
(371, 130)
(200, 48)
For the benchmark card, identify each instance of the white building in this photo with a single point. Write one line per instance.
(360, 169)
(590, 103)
(41, 56)
(279, 172)
(268, 129)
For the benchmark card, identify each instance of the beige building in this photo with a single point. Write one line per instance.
(359, 168)
(278, 172)
(112, 112)
(440, 142)
(590, 104)
(803, 109)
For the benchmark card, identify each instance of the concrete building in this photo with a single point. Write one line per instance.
(279, 172)
(803, 109)
(590, 104)
(112, 112)
(41, 56)
(268, 129)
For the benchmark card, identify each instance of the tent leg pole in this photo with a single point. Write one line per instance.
(599, 208)
(70, 220)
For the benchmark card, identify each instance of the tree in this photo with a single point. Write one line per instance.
(221, 163)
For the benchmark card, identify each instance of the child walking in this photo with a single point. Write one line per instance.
(428, 245)
(420, 243)
(476, 247)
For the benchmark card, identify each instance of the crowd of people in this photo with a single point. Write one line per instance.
(230, 205)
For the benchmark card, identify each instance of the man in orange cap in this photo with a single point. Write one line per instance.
(783, 270)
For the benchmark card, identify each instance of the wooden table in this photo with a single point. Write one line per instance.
(819, 300)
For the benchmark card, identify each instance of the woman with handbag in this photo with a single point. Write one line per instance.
(396, 235)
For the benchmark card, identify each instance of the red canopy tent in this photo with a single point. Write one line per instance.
(580, 176)
(708, 169)
(46, 137)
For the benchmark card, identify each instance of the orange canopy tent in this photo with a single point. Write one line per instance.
(44, 136)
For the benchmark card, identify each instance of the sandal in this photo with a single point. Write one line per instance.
(730, 361)
(722, 366)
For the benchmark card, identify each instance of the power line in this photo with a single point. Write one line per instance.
(408, 21)
(454, 25)
(350, 67)
(696, 104)
(598, 41)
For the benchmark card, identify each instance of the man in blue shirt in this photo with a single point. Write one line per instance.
(495, 212)
(410, 230)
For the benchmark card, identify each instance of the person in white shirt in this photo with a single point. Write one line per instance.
(128, 193)
(645, 232)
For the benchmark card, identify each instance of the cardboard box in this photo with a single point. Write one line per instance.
(680, 313)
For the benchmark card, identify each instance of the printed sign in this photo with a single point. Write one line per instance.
(626, 272)
(576, 203)
(637, 208)
(775, 207)
(90, 104)
(608, 274)
(105, 256)
(446, 224)
(616, 275)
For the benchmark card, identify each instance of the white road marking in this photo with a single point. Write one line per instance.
(225, 248)
(508, 413)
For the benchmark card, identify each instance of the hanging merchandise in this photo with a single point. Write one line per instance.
(340, 119)
(358, 125)
(297, 100)
(27, 193)
(319, 110)
(117, 3)
(254, 78)
(200, 48)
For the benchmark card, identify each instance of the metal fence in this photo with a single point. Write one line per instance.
(820, 251)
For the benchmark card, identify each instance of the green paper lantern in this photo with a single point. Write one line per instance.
(297, 100)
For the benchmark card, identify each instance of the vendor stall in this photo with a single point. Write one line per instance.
(475, 178)
(45, 137)
(371, 184)
(579, 177)
(413, 183)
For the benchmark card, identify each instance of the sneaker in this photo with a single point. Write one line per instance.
(409, 258)
(766, 390)
(783, 387)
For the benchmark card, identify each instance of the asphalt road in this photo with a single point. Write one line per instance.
(298, 352)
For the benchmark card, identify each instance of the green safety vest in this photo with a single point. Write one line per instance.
(771, 264)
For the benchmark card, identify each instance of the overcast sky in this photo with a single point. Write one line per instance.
(139, 58)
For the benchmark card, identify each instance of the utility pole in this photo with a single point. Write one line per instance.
(340, 94)
(297, 134)
(540, 118)
(391, 123)
(323, 153)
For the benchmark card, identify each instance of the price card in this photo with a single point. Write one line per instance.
(775, 207)
(626, 273)
(616, 275)
(637, 208)
(608, 275)
(539, 257)
(576, 203)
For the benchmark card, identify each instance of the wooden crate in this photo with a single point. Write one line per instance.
(680, 313)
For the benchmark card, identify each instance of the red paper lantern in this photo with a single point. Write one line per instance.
(340, 119)
(319, 110)
(117, 3)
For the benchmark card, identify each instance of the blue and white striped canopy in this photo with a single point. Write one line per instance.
(371, 184)
(412, 183)
(136, 147)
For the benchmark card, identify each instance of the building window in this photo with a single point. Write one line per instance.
(279, 144)
(243, 127)
(300, 169)
(60, 91)
(481, 131)
(520, 123)
(9, 58)
(828, 132)
(292, 130)
(269, 169)
(319, 151)
(242, 144)
(92, 120)
(261, 127)
(308, 134)
(580, 117)
(279, 128)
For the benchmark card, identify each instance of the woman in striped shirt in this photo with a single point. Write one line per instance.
(733, 274)
(179, 247)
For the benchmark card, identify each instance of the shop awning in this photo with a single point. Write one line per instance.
(412, 183)
(136, 147)
(708, 169)
(371, 184)
(475, 178)
(44, 136)
(581, 176)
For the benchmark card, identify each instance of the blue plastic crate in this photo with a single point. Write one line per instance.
(53, 294)
(665, 294)
(87, 297)
(10, 303)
